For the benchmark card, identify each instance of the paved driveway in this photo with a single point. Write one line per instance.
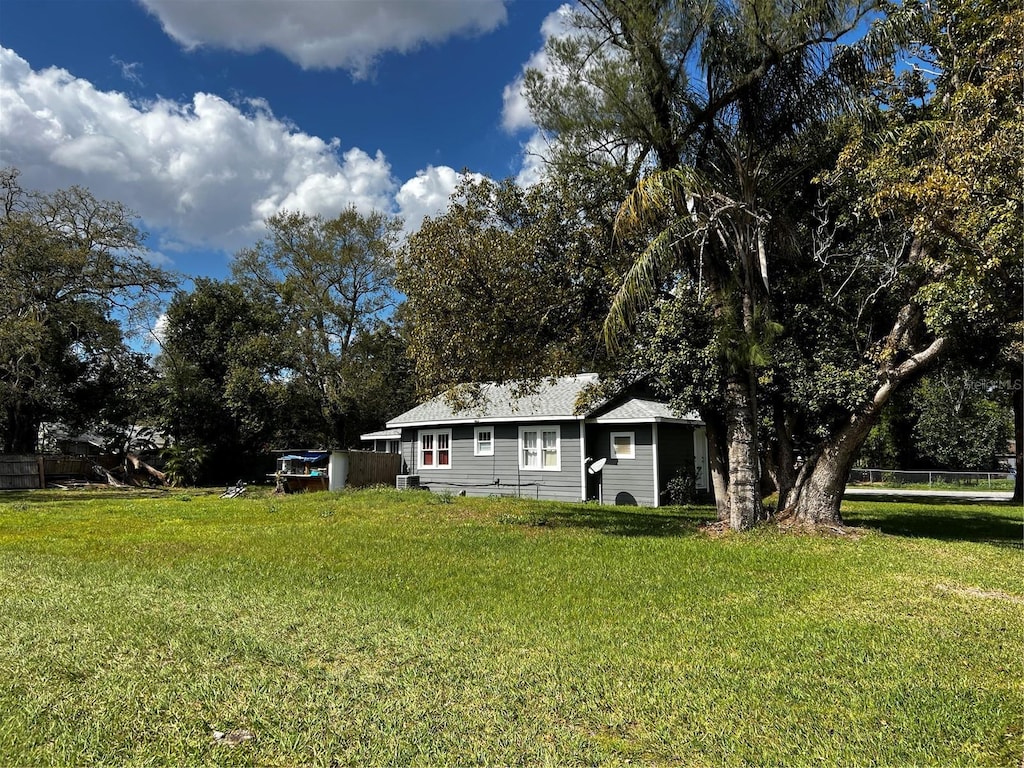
(853, 492)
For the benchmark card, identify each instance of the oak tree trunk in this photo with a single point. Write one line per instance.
(818, 493)
(718, 467)
(822, 480)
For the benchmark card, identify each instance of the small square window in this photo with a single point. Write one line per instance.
(623, 445)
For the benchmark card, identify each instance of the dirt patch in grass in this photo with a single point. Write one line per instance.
(982, 594)
(787, 523)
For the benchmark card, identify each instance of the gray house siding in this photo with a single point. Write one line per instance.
(675, 453)
(499, 474)
(662, 442)
(624, 481)
(408, 450)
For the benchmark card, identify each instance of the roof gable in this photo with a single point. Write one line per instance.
(642, 409)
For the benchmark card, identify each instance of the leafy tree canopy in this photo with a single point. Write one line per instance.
(331, 280)
(221, 388)
(508, 284)
(73, 269)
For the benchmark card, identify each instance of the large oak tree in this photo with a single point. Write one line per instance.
(947, 170)
(73, 277)
(331, 280)
(507, 284)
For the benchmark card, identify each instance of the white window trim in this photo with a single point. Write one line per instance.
(419, 449)
(476, 441)
(632, 445)
(540, 429)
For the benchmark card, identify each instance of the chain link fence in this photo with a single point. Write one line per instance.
(938, 479)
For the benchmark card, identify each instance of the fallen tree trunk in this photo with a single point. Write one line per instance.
(141, 466)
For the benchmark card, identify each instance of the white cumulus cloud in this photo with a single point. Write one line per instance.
(515, 115)
(428, 194)
(325, 34)
(536, 152)
(515, 111)
(207, 171)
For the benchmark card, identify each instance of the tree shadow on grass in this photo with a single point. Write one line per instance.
(50, 496)
(943, 519)
(620, 521)
(947, 520)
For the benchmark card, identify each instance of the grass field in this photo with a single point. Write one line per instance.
(382, 627)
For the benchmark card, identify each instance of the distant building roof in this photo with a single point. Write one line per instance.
(138, 438)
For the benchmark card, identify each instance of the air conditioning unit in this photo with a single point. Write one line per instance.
(403, 482)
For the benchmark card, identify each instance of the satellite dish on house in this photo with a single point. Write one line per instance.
(597, 466)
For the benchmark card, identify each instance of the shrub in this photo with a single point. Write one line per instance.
(682, 487)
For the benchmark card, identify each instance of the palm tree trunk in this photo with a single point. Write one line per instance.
(1018, 437)
(741, 435)
(784, 455)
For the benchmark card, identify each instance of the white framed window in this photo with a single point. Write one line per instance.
(540, 448)
(483, 441)
(394, 446)
(436, 449)
(623, 445)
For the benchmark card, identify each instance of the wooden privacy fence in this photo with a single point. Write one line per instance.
(70, 466)
(369, 468)
(21, 472)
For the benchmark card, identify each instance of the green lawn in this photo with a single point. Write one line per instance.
(382, 627)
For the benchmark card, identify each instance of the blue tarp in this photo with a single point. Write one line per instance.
(306, 456)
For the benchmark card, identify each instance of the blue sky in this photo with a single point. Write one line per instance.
(206, 116)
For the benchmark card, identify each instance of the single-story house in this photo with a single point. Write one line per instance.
(623, 450)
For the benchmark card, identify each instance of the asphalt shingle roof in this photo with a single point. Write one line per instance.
(641, 409)
(551, 400)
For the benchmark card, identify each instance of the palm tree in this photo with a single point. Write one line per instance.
(710, 225)
(772, 75)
